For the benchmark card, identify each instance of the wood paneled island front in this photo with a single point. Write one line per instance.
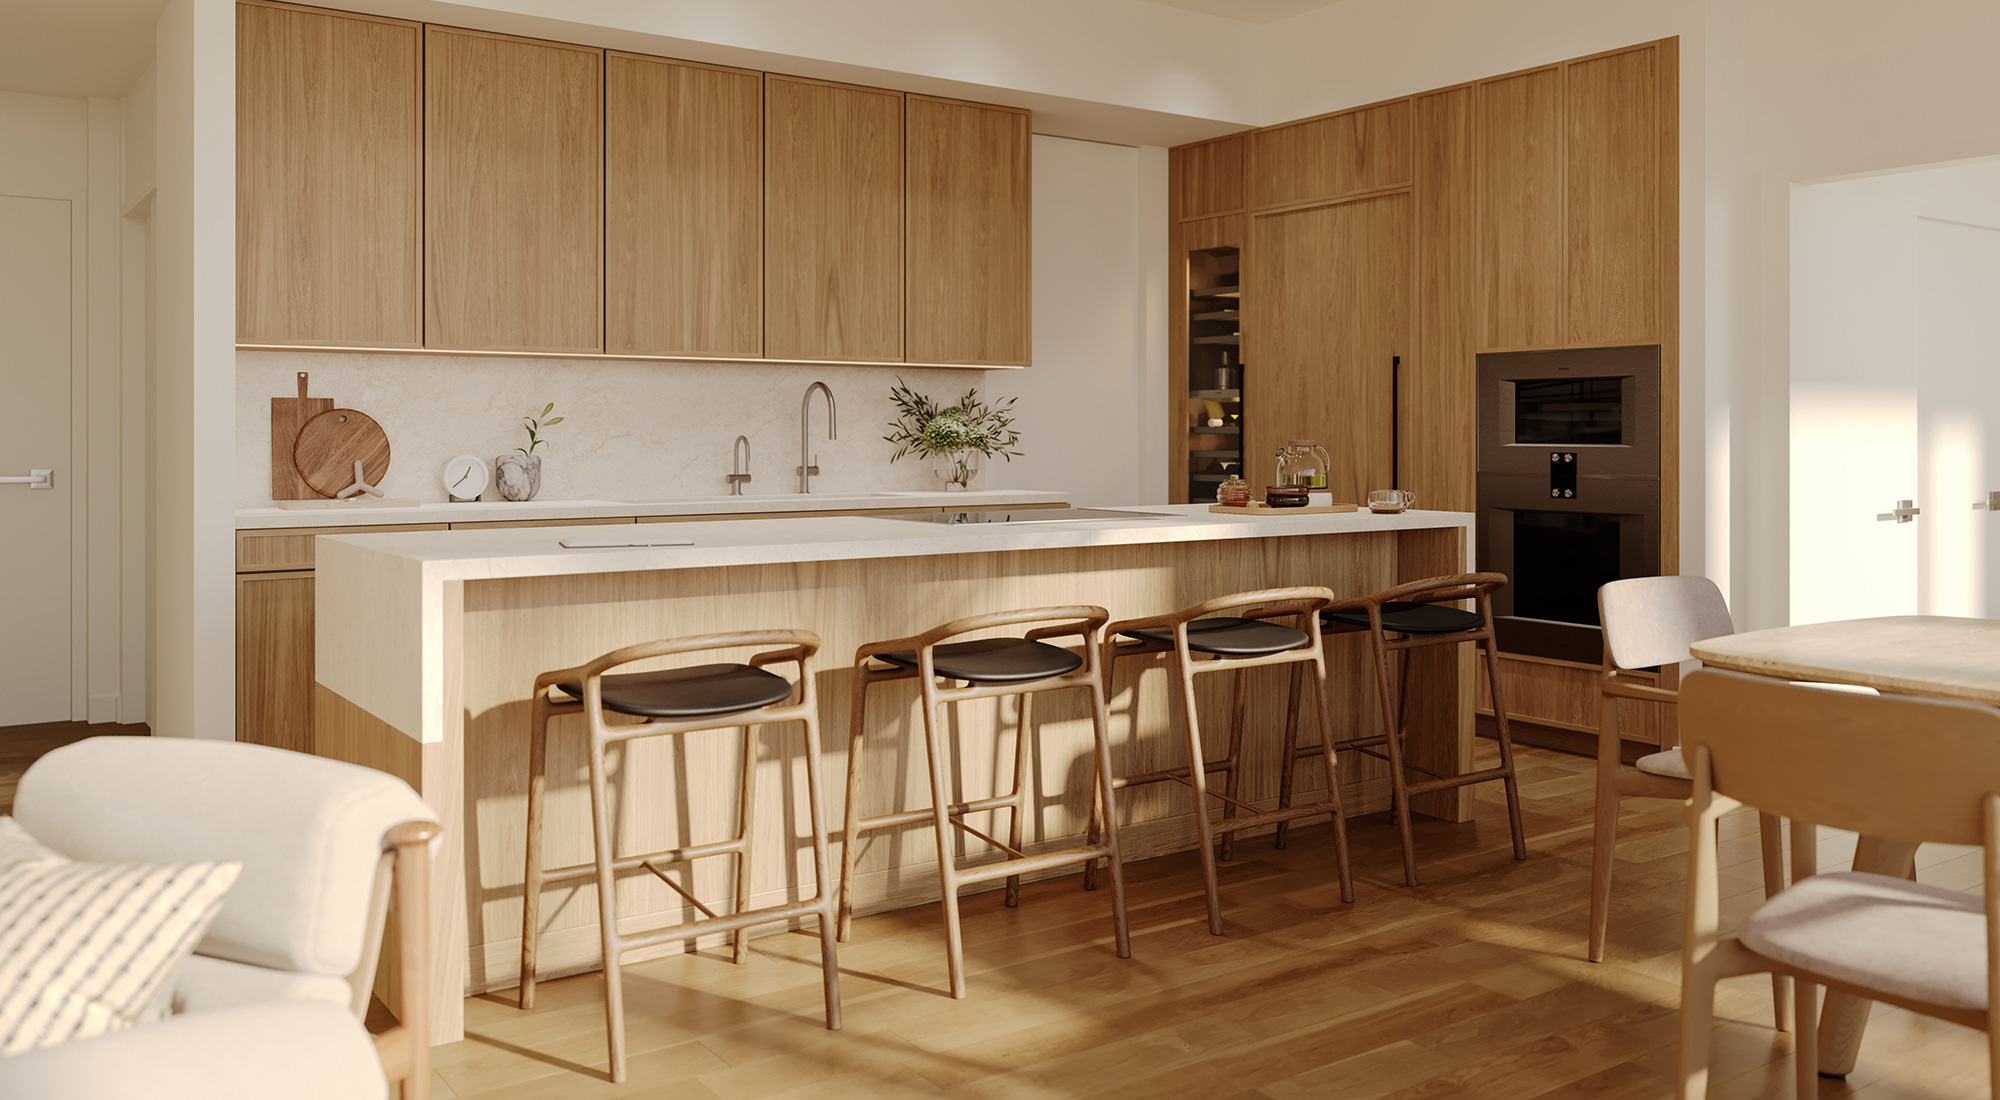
(428, 645)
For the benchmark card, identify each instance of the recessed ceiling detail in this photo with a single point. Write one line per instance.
(1249, 11)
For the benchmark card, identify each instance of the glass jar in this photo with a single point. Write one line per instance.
(1234, 492)
(1303, 462)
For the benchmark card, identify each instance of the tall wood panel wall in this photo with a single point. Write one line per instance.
(1528, 210)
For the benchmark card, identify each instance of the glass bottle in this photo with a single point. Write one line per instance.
(1234, 491)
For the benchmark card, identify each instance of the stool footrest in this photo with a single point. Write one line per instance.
(814, 907)
(1269, 817)
(986, 872)
(634, 863)
(1189, 782)
(1451, 781)
(1182, 773)
(912, 817)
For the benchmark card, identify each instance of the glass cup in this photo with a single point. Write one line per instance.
(1390, 500)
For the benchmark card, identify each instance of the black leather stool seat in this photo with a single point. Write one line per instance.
(1412, 618)
(689, 692)
(994, 660)
(1230, 637)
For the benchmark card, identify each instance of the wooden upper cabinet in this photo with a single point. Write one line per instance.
(1211, 178)
(967, 253)
(328, 178)
(1324, 158)
(684, 208)
(513, 193)
(1613, 166)
(833, 221)
(1521, 265)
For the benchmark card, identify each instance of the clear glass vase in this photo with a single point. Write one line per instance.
(956, 468)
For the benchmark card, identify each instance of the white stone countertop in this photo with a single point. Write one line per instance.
(380, 604)
(486, 511)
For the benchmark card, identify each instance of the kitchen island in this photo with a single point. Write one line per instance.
(428, 644)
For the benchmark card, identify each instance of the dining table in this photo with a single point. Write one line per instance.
(1940, 656)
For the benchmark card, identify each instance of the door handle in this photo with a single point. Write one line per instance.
(36, 479)
(1991, 503)
(1904, 512)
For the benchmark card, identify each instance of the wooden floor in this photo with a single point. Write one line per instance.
(1473, 984)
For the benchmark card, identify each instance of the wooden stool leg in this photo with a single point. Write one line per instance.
(1505, 737)
(1198, 776)
(954, 937)
(1771, 835)
(531, 879)
(1100, 723)
(1017, 823)
(1100, 808)
(607, 910)
(822, 865)
(1288, 760)
(1391, 722)
(1805, 1039)
(1603, 853)
(1238, 701)
(850, 834)
(1332, 779)
(746, 806)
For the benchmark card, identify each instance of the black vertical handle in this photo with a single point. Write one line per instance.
(1395, 421)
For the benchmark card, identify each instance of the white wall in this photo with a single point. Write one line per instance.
(1091, 408)
(194, 372)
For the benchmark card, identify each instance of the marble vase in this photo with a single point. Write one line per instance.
(518, 476)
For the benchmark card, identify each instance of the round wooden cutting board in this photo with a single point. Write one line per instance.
(329, 443)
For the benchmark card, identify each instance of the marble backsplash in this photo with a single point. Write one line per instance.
(629, 430)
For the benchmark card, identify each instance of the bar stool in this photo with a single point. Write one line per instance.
(1415, 612)
(677, 701)
(1234, 643)
(988, 667)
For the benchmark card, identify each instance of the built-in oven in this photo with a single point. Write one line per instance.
(1569, 488)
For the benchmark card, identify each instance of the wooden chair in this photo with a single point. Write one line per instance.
(1417, 614)
(678, 701)
(1650, 622)
(1900, 767)
(988, 668)
(1234, 643)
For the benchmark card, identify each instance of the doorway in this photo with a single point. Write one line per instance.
(1895, 395)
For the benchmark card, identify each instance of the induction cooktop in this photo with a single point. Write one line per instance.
(1029, 515)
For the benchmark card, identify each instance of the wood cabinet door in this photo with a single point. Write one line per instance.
(1323, 158)
(1612, 165)
(513, 193)
(274, 659)
(684, 208)
(1438, 404)
(967, 255)
(328, 178)
(1519, 126)
(1208, 178)
(833, 221)
(1325, 311)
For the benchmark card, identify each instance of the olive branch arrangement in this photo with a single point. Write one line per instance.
(926, 428)
(535, 424)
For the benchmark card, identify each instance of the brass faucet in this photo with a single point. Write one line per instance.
(808, 462)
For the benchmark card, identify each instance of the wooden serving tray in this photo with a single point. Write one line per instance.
(361, 501)
(1255, 508)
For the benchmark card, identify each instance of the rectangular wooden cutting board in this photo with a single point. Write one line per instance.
(1267, 510)
(288, 415)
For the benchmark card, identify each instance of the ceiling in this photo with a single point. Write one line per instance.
(1249, 11)
(75, 48)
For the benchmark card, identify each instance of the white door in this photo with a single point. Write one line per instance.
(1955, 313)
(34, 434)
(1895, 395)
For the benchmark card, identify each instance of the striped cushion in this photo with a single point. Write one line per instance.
(86, 948)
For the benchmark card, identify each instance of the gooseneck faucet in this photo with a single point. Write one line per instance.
(808, 464)
(739, 462)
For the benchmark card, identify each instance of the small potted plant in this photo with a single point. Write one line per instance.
(955, 437)
(520, 475)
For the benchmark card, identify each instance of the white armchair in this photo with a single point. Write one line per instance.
(271, 1001)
